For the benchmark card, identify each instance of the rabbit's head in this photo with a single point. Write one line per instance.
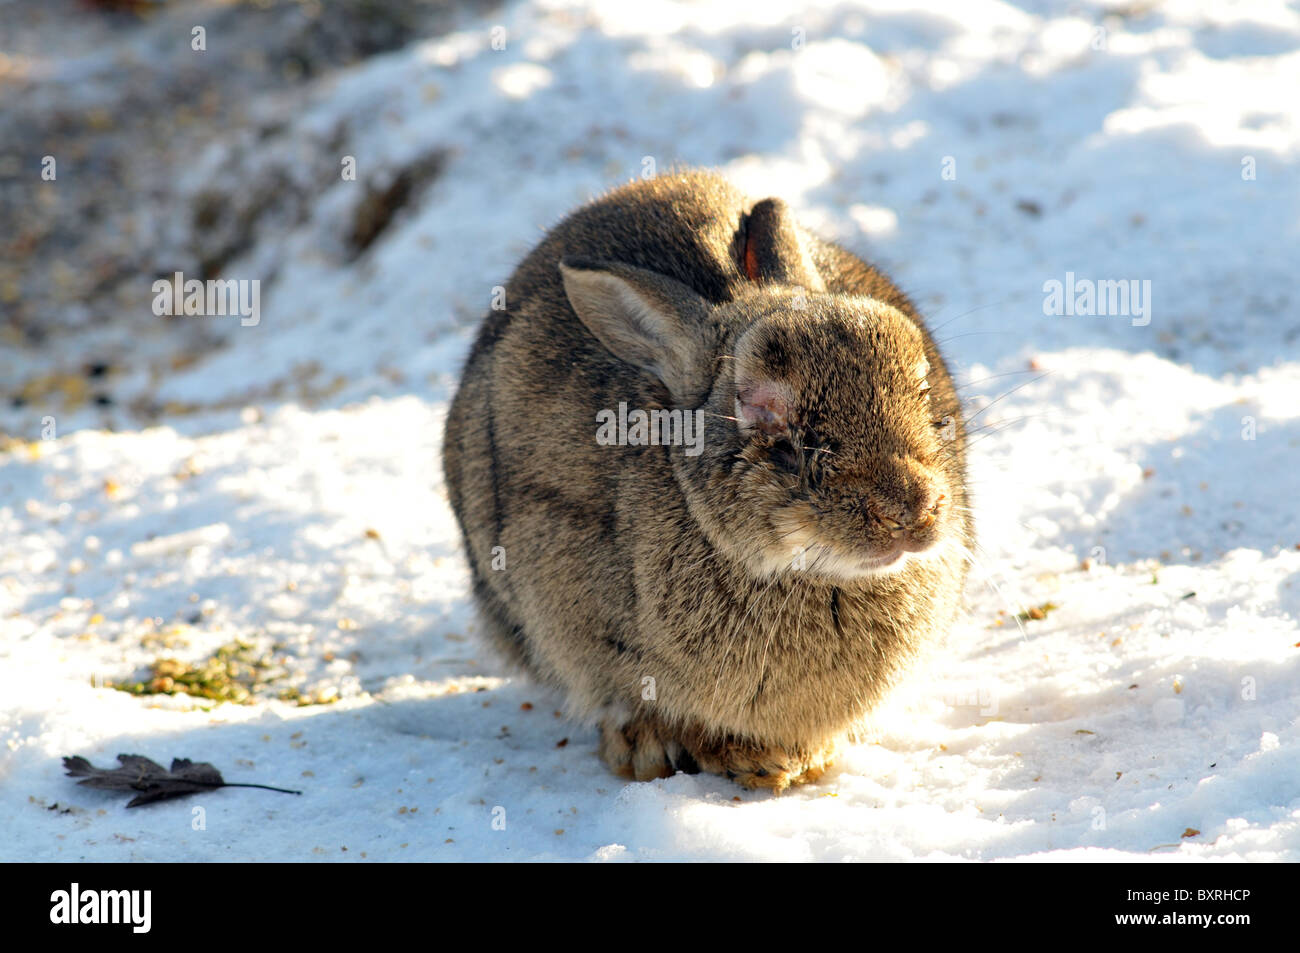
(829, 432)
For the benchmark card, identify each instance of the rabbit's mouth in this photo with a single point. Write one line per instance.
(804, 549)
(892, 560)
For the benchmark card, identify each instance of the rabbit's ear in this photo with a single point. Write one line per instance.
(646, 319)
(774, 250)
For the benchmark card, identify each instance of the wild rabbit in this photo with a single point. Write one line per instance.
(710, 471)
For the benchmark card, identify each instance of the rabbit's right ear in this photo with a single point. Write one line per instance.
(648, 320)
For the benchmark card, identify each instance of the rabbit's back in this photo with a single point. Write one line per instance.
(525, 477)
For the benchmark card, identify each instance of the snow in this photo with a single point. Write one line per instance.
(1141, 478)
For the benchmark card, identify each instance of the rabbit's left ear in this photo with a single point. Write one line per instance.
(648, 320)
(775, 252)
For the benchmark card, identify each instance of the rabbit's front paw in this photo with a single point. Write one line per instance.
(754, 765)
(637, 749)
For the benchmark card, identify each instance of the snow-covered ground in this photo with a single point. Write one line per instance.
(1139, 472)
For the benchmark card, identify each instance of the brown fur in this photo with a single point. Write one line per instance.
(627, 563)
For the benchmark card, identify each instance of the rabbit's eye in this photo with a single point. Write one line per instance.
(785, 457)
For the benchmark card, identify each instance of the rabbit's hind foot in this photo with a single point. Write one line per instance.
(643, 749)
(755, 765)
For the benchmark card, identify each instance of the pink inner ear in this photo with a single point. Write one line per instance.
(764, 405)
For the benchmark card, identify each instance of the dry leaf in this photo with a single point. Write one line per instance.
(151, 780)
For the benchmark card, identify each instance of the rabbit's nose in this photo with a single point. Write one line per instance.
(894, 526)
(918, 516)
(929, 511)
(910, 503)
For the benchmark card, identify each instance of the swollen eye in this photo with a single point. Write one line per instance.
(764, 407)
(762, 418)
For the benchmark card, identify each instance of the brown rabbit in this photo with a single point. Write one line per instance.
(711, 475)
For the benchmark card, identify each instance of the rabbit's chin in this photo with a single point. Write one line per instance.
(823, 561)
